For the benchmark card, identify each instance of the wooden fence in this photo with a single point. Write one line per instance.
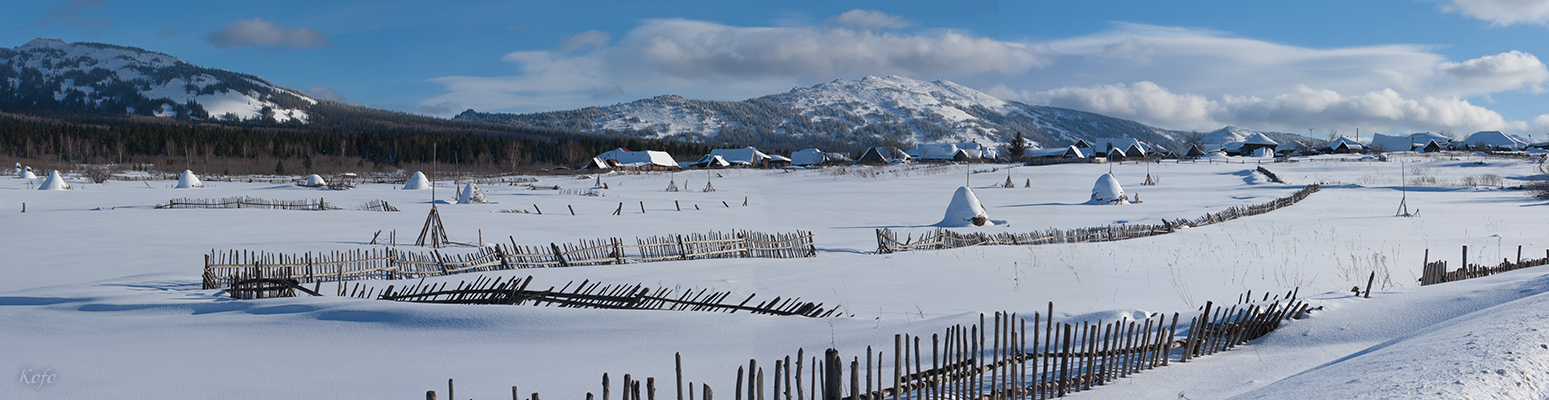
(249, 202)
(588, 294)
(221, 269)
(996, 358)
(941, 239)
(1435, 272)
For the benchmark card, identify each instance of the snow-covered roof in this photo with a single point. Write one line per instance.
(1259, 138)
(808, 157)
(1348, 142)
(1494, 139)
(639, 158)
(1394, 143)
(779, 158)
(1054, 152)
(743, 156)
(1123, 144)
(709, 161)
(946, 151)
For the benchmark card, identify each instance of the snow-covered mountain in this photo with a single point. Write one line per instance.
(1232, 134)
(844, 113)
(49, 74)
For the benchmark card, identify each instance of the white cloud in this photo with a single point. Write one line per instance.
(593, 39)
(1502, 12)
(264, 34)
(1179, 78)
(870, 19)
(1499, 72)
(1145, 101)
(706, 59)
(1304, 107)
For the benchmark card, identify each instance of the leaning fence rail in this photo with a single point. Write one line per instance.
(249, 202)
(589, 294)
(941, 239)
(223, 268)
(1007, 357)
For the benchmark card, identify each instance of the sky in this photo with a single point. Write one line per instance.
(1315, 66)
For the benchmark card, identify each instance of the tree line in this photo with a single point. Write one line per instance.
(257, 150)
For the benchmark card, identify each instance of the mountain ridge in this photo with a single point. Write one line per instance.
(846, 114)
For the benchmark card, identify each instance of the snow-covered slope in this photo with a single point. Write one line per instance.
(1220, 138)
(844, 113)
(55, 75)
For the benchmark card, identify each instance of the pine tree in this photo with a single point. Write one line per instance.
(279, 167)
(1017, 148)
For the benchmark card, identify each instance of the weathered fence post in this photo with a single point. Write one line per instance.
(1369, 281)
(682, 248)
(832, 381)
(559, 256)
(747, 245)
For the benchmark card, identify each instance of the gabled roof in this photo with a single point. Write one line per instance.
(1494, 139)
(808, 157)
(1348, 142)
(638, 158)
(948, 151)
(712, 161)
(1260, 139)
(743, 156)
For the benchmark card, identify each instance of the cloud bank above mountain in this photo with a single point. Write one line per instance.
(1173, 77)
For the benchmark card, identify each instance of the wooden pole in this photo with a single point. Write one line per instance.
(1369, 280)
(832, 381)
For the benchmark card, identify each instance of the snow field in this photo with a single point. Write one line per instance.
(103, 289)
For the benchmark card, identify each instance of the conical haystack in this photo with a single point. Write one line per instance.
(417, 182)
(314, 180)
(189, 181)
(471, 195)
(1107, 191)
(54, 182)
(964, 210)
(27, 174)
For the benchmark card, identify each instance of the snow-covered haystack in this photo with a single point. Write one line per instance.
(27, 174)
(417, 182)
(189, 181)
(1107, 191)
(965, 210)
(314, 181)
(471, 195)
(54, 182)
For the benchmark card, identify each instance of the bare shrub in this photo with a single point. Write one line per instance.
(98, 174)
(1491, 180)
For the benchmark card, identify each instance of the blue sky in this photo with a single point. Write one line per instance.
(1306, 66)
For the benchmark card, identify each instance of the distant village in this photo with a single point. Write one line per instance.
(1101, 150)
